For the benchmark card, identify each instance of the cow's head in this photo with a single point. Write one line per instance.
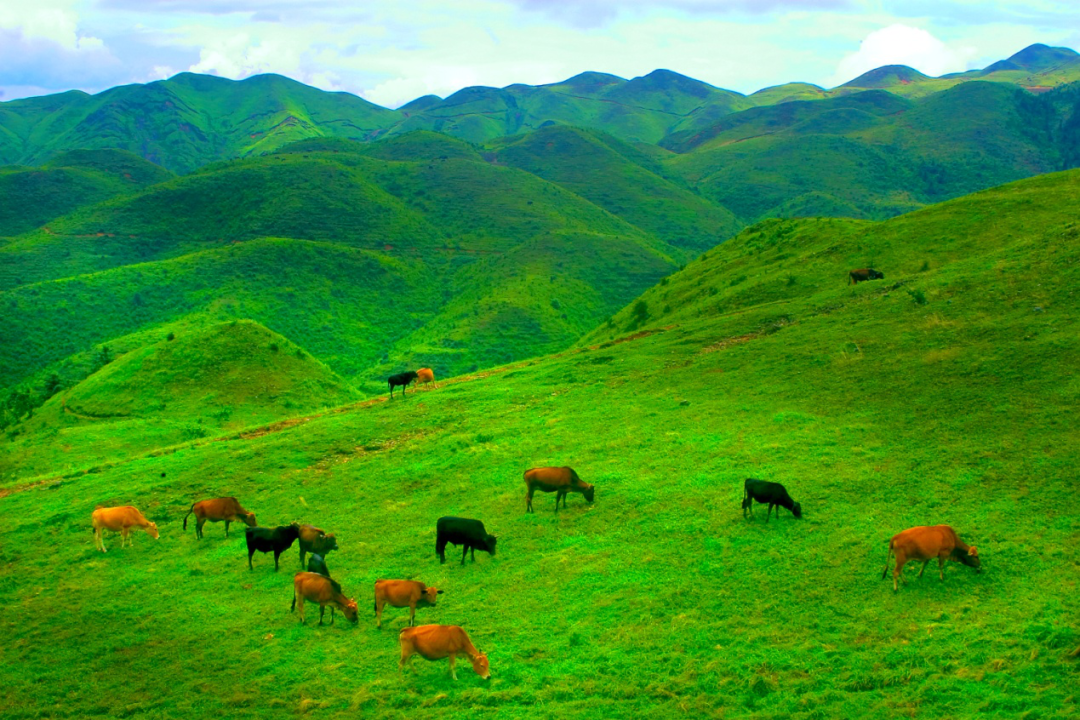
(491, 540)
(350, 611)
(151, 530)
(480, 665)
(589, 493)
(796, 510)
(326, 543)
(971, 558)
(249, 520)
(876, 275)
(430, 595)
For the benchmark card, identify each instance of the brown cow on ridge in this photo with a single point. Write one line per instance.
(119, 519)
(315, 540)
(425, 376)
(863, 274)
(216, 510)
(321, 589)
(559, 480)
(403, 593)
(434, 642)
(926, 543)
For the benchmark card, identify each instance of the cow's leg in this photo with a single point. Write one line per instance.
(406, 653)
(251, 551)
(472, 553)
(900, 560)
(440, 550)
(940, 567)
(378, 614)
(769, 512)
(464, 554)
(412, 614)
(277, 554)
(331, 614)
(299, 600)
(199, 522)
(452, 673)
(125, 537)
(322, 609)
(99, 539)
(925, 563)
(227, 528)
(528, 501)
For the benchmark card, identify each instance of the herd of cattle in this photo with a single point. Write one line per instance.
(435, 642)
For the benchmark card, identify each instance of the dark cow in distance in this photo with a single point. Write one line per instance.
(926, 543)
(465, 532)
(276, 540)
(559, 480)
(773, 494)
(315, 540)
(402, 379)
(403, 593)
(863, 274)
(316, 564)
(216, 510)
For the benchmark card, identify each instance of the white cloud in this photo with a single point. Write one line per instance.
(904, 45)
(57, 25)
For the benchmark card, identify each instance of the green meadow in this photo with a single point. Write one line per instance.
(943, 394)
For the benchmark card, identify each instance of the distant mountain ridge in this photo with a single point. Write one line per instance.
(191, 120)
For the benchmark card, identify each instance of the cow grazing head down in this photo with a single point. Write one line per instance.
(491, 540)
(249, 520)
(431, 595)
(796, 510)
(481, 666)
(589, 493)
(152, 531)
(876, 275)
(350, 612)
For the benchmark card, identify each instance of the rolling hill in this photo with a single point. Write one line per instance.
(942, 394)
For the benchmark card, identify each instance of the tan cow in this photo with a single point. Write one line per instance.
(926, 543)
(434, 642)
(216, 510)
(321, 589)
(425, 376)
(121, 520)
(403, 593)
(315, 540)
(559, 480)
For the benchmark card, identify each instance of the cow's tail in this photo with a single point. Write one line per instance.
(888, 555)
(188, 515)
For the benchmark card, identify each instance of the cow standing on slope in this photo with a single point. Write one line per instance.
(926, 543)
(122, 520)
(216, 510)
(559, 480)
(773, 494)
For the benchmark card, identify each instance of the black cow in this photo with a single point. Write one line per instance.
(462, 531)
(402, 379)
(276, 540)
(864, 274)
(316, 564)
(768, 492)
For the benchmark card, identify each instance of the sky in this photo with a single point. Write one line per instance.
(393, 51)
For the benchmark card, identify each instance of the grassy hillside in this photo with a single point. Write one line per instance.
(35, 195)
(616, 177)
(939, 395)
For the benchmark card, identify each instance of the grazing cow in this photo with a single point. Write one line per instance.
(121, 520)
(403, 593)
(775, 494)
(227, 509)
(321, 589)
(276, 540)
(402, 379)
(462, 531)
(559, 480)
(926, 543)
(316, 564)
(434, 642)
(313, 539)
(425, 376)
(863, 274)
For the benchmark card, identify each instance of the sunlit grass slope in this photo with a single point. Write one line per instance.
(939, 395)
(183, 384)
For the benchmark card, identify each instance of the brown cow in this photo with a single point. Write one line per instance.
(864, 274)
(434, 642)
(403, 593)
(315, 540)
(216, 510)
(121, 520)
(559, 480)
(425, 376)
(321, 589)
(926, 543)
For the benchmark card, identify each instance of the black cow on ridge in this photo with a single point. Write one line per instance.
(774, 494)
(276, 540)
(402, 379)
(462, 531)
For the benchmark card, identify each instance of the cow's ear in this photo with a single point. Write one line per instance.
(438, 592)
